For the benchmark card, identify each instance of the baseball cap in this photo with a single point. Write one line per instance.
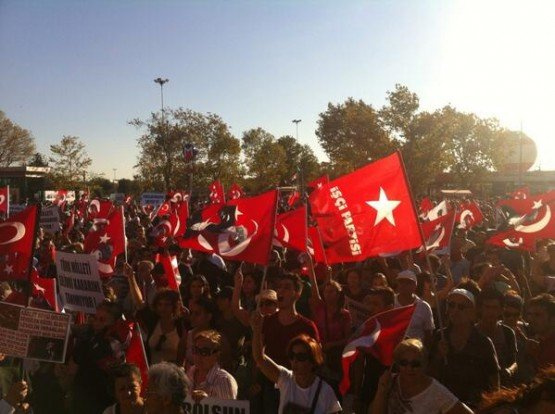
(465, 293)
(407, 274)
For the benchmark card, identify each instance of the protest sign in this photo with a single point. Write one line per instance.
(213, 405)
(359, 312)
(154, 199)
(50, 219)
(16, 208)
(33, 333)
(80, 285)
(117, 198)
(51, 196)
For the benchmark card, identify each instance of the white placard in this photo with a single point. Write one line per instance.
(50, 195)
(154, 199)
(50, 219)
(213, 405)
(79, 281)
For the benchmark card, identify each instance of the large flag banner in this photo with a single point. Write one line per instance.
(319, 182)
(79, 281)
(291, 230)
(519, 206)
(367, 212)
(437, 211)
(17, 237)
(107, 242)
(235, 192)
(521, 193)
(315, 247)
(33, 334)
(99, 210)
(5, 200)
(512, 239)
(379, 335)
(240, 230)
(136, 354)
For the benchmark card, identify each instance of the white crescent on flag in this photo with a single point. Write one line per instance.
(537, 226)
(19, 231)
(365, 341)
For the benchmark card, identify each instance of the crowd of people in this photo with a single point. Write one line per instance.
(482, 336)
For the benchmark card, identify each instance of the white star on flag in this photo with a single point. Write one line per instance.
(384, 208)
(537, 204)
(8, 269)
(104, 239)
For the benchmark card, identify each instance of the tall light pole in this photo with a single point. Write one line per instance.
(161, 82)
(296, 122)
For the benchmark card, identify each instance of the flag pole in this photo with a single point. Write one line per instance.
(33, 244)
(423, 243)
(7, 201)
(265, 273)
(124, 236)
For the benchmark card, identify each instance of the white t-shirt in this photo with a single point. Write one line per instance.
(291, 392)
(422, 319)
(436, 399)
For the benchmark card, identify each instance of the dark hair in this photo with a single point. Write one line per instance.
(545, 301)
(112, 308)
(312, 346)
(339, 288)
(295, 278)
(542, 387)
(470, 285)
(208, 306)
(170, 295)
(490, 294)
(124, 370)
(422, 278)
(385, 293)
(513, 300)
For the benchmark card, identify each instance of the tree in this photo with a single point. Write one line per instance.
(70, 162)
(38, 160)
(352, 136)
(265, 160)
(298, 157)
(100, 187)
(161, 164)
(17, 145)
(127, 186)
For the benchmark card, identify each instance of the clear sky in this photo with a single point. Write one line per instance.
(85, 68)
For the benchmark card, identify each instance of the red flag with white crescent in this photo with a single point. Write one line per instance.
(99, 210)
(136, 354)
(217, 195)
(438, 232)
(379, 335)
(5, 200)
(290, 230)
(468, 215)
(17, 237)
(235, 192)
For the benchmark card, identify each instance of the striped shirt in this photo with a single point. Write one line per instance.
(218, 383)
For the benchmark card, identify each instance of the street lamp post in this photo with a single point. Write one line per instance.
(161, 82)
(296, 122)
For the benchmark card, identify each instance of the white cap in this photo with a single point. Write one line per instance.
(463, 292)
(407, 274)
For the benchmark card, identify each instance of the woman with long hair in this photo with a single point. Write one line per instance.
(301, 390)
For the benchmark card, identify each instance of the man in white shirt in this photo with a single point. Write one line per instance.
(422, 323)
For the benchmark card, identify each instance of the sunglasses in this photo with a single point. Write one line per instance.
(299, 356)
(268, 303)
(161, 340)
(204, 351)
(454, 305)
(414, 363)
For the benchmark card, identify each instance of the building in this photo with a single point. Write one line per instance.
(24, 181)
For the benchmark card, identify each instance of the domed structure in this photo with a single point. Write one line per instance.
(512, 158)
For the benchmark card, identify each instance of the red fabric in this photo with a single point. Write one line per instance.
(425, 205)
(469, 215)
(513, 240)
(177, 196)
(235, 192)
(290, 230)
(4, 200)
(171, 270)
(319, 182)
(69, 223)
(521, 193)
(293, 198)
(17, 236)
(241, 230)
(107, 241)
(438, 232)
(136, 354)
(315, 246)
(164, 209)
(379, 336)
(46, 288)
(367, 212)
(217, 194)
(99, 210)
(524, 206)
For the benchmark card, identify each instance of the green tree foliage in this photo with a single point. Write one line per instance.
(69, 162)
(265, 160)
(351, 135)
(38, 160)
(298, 157)
(161, 164)
(100, 186)
(127, 186)
(17, 145)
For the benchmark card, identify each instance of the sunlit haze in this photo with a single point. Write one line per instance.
(86, 68)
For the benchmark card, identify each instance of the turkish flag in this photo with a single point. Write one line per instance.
(177, 196)
(163, 210)
(235, 192)
(525, 206)
(44, 288)
(438, 211)
(136, 354)
(171, 269)
(315, 246)
(107, 242)
(172, 225)
(5, 200)
(438, 232)
(291, 230)
(17, 237)
(217, 194)
(379, 335)
(240, 230)
(99, 210)
(521, 193)
(367, 212)
(469, 215)
(512, 239)
(425, 206)
(293, 198)
(319, 182)
(69, 222)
